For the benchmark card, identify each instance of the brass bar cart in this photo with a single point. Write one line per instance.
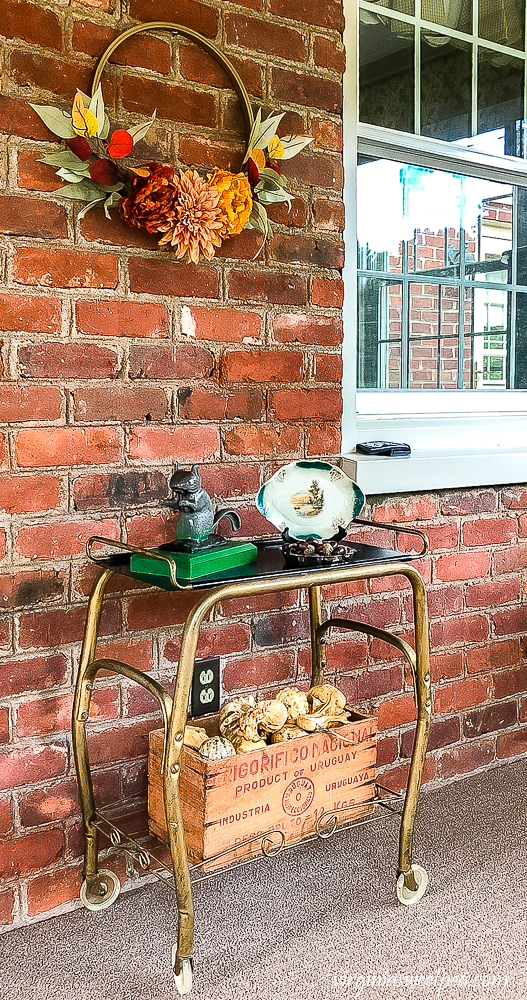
(267, 576)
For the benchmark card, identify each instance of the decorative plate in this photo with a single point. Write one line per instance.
(311, 499)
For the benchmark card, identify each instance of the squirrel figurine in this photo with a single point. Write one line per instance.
(197, 518)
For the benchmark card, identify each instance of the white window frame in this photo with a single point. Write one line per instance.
(475, 441)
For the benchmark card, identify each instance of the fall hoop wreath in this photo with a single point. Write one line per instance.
(194, 213)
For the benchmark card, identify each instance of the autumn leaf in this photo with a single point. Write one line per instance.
(121, 143)
(275, 148)
(113, 199)
(65, 158)
(262, 132)
(258, 158)
(273, 175)
(293, 144)
(83, 120)
(80, 147)
(85, 190)
(90, 205)
(104, 172)
(252, 172)
(97, 109)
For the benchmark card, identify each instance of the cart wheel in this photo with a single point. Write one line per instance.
(110, 888)
(183, 979)
(408, 896)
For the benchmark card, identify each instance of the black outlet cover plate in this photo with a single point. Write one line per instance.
(205, 692)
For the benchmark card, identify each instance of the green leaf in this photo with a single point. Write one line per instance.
(58, 122)
(70, 175)
(85, 190)
(266, 131)
(110, 188)
(260, 221)
(293, 144)
(271, 197)
(138, 132)
(66, 159)
(252, 133)
(259, 218)
(275, 180)
(111, 200)
(91, 204)
(96, 106)
(103, 134)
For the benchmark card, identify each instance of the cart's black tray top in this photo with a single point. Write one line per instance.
(269, 562)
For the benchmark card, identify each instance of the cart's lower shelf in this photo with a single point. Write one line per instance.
(147, 851)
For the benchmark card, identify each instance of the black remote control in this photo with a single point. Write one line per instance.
(395, 449)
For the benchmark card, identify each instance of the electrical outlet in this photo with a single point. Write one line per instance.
(205, 693)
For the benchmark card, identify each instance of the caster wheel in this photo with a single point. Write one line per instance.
(183, 979)
(408, 897)
(110, 888)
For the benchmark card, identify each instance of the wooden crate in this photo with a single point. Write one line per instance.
(286, 786)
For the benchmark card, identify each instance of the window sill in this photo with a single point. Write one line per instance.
(447, 452)
(425, 471)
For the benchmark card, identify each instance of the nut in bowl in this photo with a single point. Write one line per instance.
(315, 551)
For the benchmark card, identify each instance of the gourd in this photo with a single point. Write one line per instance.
(247, 724)
(295, 701)
(217, 748)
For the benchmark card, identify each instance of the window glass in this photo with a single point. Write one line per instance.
(456, 14)
(500, 100)
(502, 21)
(446, 73)
(456, 85)
(456, 314)
(403, 6)
(387, 75)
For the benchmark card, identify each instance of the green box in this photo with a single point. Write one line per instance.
(191, 566)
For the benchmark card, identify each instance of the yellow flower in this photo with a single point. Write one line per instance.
(235, 201)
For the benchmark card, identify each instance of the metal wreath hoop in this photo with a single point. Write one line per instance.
(194, 36)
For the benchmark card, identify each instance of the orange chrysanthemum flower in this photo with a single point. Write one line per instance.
(197, 219)
(151, 201)
(235, 201)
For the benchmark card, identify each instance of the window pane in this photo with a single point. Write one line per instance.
(387, 75)
(445, 91)
(500, 101)
(520, 381)
(380, 334)
(404, 6)
(502, 22)
(490, 251)
(521, 200)
(439, 276)
(449, 15)
(425, 327)
(488, 345)
(446, 75)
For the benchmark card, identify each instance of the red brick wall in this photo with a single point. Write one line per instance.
(475, 575)
(117, 360)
